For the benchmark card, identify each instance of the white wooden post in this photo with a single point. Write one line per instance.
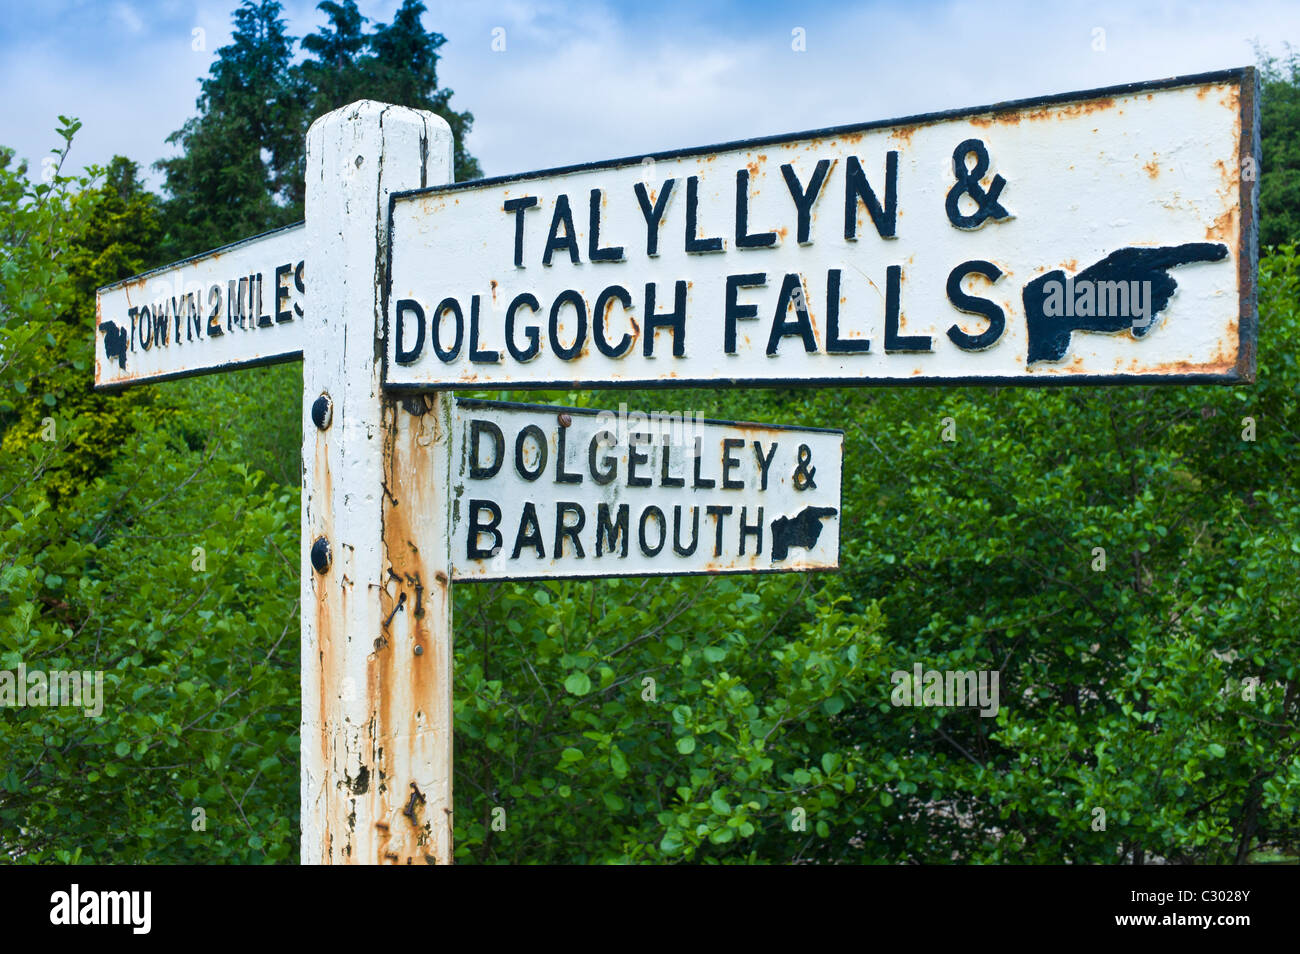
(376, 589)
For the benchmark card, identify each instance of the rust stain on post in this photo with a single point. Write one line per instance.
(371, 703)
(414, 670)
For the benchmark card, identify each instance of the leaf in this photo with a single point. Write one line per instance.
(578, 683)
(686, 744)
(618, 762)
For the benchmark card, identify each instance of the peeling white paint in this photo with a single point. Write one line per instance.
(364, 749)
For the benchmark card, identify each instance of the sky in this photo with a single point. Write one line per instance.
(579, 82)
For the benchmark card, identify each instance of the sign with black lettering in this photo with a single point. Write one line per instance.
(1107, 236)
(547, 492)
(237, 306)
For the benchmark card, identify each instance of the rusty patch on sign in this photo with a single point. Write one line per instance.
(1015, 117)
(1224, 227)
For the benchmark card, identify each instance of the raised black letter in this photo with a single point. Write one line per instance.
(743, 238)
(518, 206)
(857, 188)
(975, 306)
(531, 333)
(675, 320)
(893, 340)
(653, 215)
(472, 549)
(477, 429)
(804, 198)
(834, 343)
(404, 305)
(693, 242)
(554, 242)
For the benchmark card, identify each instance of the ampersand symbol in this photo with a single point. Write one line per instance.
(803, 474)
(968, 183)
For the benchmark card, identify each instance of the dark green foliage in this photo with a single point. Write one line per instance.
(403, 70)
(118, 237)
(164, 563)
(1279, 186)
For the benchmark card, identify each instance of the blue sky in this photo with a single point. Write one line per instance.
(586, 81)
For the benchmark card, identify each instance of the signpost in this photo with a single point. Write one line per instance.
(1099, 237)
(238, 306)
(545, 492)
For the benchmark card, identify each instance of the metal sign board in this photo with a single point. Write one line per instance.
(1101, 236)
(550, 492)
(236, 306)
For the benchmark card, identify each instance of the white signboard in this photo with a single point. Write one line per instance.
(236, 306)
(1098, 236)
(549, 492)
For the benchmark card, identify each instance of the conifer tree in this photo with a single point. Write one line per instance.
(242, 155)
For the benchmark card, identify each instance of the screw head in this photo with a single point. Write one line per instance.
(320, 555)
(419, 650)
(565, 419)
(322, 412)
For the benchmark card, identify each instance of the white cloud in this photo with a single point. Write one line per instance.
(582, 82)
(587, 86)
(127, 16)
